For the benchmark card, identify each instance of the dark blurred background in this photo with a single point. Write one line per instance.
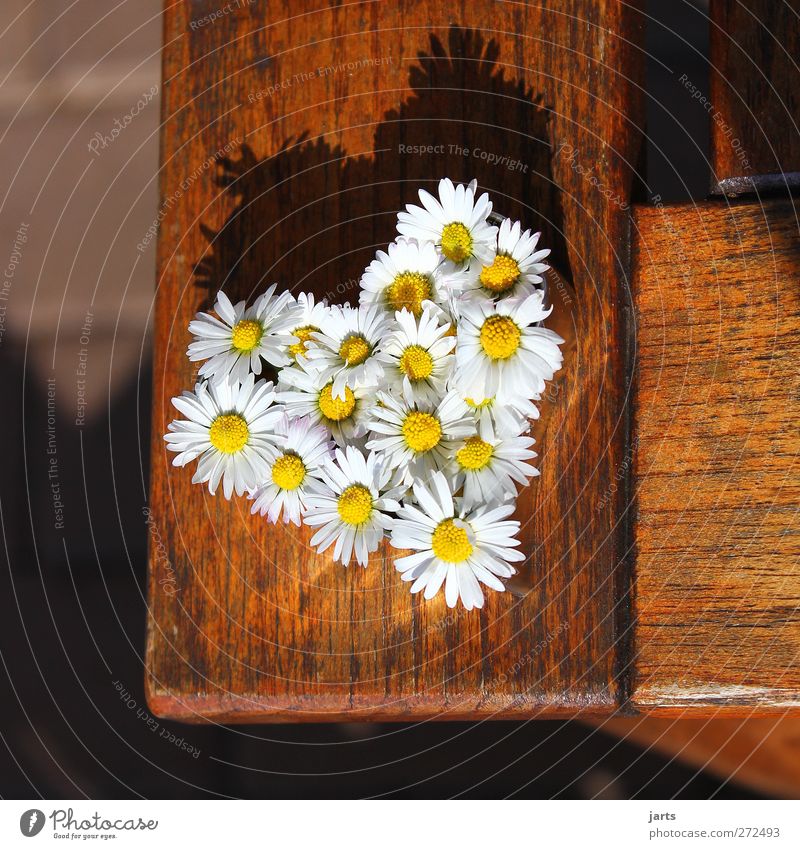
(73, 718)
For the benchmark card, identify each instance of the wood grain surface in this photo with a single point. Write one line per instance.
(290, 140)
(754, 103)
(717, 610)
(762, 753)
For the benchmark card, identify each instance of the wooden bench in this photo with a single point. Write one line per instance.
(662, 534)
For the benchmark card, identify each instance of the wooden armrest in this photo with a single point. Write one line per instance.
(289, 143)
(717, 405)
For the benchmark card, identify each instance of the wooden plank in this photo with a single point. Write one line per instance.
(762, 753)
(717, 611)
(754, 105)
(313, 113)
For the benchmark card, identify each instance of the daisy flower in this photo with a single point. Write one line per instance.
(509, 419)
(446, 312)
(234, 343)
(293, 469)
(417, 438)
(516, 268)
(345, 351)
(456, 223)
(418, 356)
(230, 426)
(311, 318)
(351, 510)
(304, 392)
(487, 466)
(403, 278)
(454, 547)
(500, 354)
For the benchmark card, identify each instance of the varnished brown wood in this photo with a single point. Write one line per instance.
(754, 104)
(762, 753)
(276, 170)
(717, 612)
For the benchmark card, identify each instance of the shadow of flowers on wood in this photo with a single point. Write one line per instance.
(312, 215)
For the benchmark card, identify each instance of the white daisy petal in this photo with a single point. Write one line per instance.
(462, 547)
(514, 268)
(422, 435)
(404, 278)
(487, 466)
(294, 465)
(500, 355)
(456, 224)
(304, 391)
(417, 357)
(350, 490)
(235, 442)
(346, 351)
(235, 343)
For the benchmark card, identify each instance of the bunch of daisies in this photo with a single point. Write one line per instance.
(405, 416)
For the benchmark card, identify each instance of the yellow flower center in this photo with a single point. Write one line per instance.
(229, 433)
(456, 242)
(416, 363)
(409, 289)
(475, 454)
(501, 275)
(304, 335)
(288, 471)
(500, 337)
(452, 330)
(478, 405)
(421, 431)
(355, 504)
(336, 409)
(246, 335)
(354, 350)
(451, 543)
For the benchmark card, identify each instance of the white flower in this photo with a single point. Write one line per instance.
(345, 351)
(235, 343)
(487, 466)
(305, 392)
(418, 438)
(516, 268)
(311, 318)
(352, 508)
(511, 418)
(446, 312)
(384, 411)
(229, 427)
(456, 223)
(418, 356)
(453, 546)
(499, 354)
(403, 278)
(294, 465)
